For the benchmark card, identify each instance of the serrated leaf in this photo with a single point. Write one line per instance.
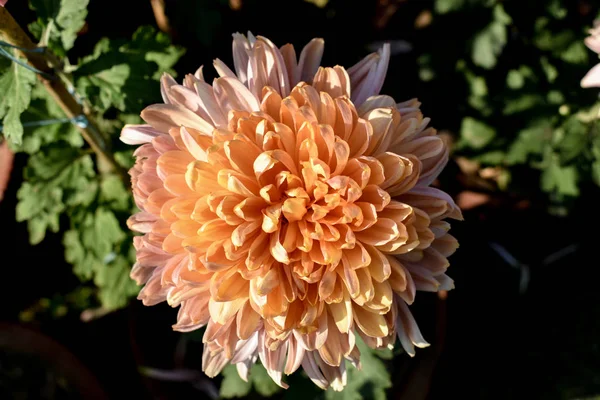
(57, 179)
(50, 163)
(38, 226)
(158, 49)
(232, 385)
(43, 108)
(34, 200)
(40, 205)
(488, 43)
(70, 19)
(475, 134)
(103, 234)
(65, 167)
(62, 18)
(75, 253)
(122, 74)
(15, 85)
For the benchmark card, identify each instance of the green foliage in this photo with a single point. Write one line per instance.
(15, 85)
(524, 108)
(56, 179)
(58, 22)
(42, 108)
(120, 73)
(64, 191)
(233, 385)
(475, 134)
(488, 43)
(262, 382)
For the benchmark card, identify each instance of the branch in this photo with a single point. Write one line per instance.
(12, 33)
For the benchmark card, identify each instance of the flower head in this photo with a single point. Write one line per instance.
(287, 207)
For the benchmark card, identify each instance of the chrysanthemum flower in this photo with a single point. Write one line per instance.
(287, 207)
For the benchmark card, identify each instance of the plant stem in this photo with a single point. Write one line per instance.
(12, 33)
(46, 34)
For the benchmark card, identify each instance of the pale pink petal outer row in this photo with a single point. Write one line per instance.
(289, 280)
(592, 78)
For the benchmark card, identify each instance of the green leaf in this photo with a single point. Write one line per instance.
(385, 353)
(368, 383)
(556, 9)
(576, 53)
(262, 382)
(97, 248)
(530, 141)
(44, 107)
(158, 49)
(125, 158)
(549, 70)
(57, 178)
(40, 205)
(66, 167)
(103, 234)
(123, 74)
(71, 19)
(488, 43)
(114, 194)
(116, 287)
(75, 253)
(523, 103)
(574, 141)
(233, 385)
(479, 92)
(492, 158)
(475, 134)
(60, 21)
(515, 80)
(37, 227)
(446, 6)
(555, 97)
(15, 86)
(562, 179)
(50, 163)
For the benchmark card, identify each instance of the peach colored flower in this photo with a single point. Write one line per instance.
(287, 207)
(592, 78)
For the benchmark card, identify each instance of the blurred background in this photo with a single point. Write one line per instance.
(499, 79)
